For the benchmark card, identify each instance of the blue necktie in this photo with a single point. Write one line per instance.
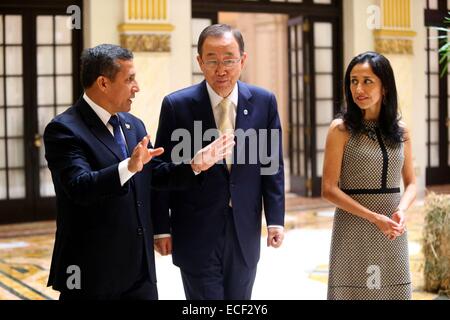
(118, 138)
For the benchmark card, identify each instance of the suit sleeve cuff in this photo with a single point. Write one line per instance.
(162, 235)
(275, 226)
(124, 173)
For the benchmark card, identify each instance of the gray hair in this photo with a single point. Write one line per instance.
(218, 30)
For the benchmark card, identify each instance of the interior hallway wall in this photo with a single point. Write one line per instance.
(358, 37)
(417, 113)
(158, 73)
(265, 37)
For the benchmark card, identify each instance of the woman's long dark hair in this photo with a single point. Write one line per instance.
(389, 118)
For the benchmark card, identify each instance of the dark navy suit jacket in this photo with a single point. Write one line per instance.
(102, 227)
(197, 215)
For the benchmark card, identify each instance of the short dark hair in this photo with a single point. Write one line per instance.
(102, 61)
(218, 30)
(389, 116)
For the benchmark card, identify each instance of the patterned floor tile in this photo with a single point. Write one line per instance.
(25, 256)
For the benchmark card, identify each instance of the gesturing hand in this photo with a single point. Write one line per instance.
(215, 151)
(142, 155)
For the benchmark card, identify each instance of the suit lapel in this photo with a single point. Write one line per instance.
(202, 111)
(129, 132)
(201, 108)
(244, 111)
(244, 116)
(98, 128)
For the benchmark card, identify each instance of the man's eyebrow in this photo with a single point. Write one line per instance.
(214, 55)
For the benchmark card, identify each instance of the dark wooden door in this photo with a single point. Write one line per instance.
(39, 52)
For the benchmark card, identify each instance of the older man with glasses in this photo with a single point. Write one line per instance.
(213, 230)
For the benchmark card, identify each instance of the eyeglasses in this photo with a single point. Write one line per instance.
(228, 63)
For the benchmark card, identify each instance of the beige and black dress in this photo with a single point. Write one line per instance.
(364, 263)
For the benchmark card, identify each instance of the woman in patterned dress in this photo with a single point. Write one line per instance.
(367, 153)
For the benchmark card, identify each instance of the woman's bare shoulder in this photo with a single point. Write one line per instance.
(338, 125)
(338, 132)
(405, 129)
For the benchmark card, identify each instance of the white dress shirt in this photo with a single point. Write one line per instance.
(215, 100)
(124, 173)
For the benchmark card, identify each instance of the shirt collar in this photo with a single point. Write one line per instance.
(216, 99)
(101, 112)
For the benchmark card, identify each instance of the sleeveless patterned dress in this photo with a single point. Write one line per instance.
(364, 263)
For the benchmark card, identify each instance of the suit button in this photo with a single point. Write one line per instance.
(139, 204)
(140, 231)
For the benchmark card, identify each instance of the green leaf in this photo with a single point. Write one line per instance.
(444, 48)
(441, 29)
(444, 70)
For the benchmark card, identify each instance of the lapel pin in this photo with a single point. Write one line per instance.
(127, 125)
(245, 112)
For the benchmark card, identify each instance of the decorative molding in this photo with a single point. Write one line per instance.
(145, 27)
(394, 46)
(146, 42)
(395, 35)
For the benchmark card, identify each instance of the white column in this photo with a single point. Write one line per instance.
(100, 20)
(358, 37)
(417, 113)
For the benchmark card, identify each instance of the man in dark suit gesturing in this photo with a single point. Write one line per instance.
(214, 229)
(100, 163)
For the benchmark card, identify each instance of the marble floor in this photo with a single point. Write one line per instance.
(296, 271)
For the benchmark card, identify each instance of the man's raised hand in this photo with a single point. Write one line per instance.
(142, 155)
(217, 150)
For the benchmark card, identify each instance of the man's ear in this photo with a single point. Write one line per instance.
(243, 58)
(102, 83)
(199, 60)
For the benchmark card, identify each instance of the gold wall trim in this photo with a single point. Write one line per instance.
(396, 14)
(145, 27)
(394, 46)
(146, 42)
(394, 33)
(146, 9)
